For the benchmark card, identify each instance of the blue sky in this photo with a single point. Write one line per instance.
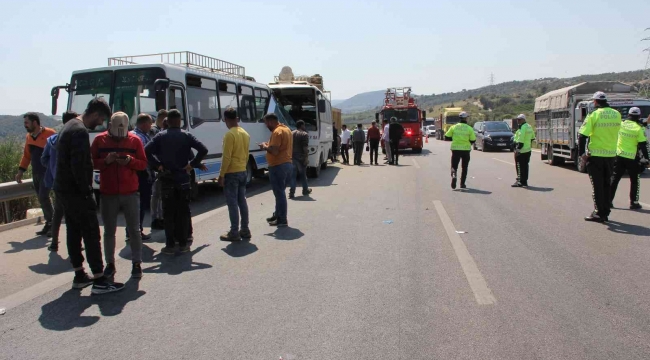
(433, 46)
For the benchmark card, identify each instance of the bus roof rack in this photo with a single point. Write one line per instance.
(184, 58)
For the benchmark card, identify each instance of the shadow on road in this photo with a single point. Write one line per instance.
(147, 253)
(66, 312)
(326, 177)
(539, 189)
(55, 265)
(240, 248)
(34, 243)
(475, 191)
(425, 152)
(303, 198)
(287, 233)
(177, 264)
(628, 229)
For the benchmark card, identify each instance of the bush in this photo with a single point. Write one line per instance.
(11, 151)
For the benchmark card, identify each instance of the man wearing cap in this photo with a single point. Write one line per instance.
(630, 138)
(523, 140)
(462, 137)
(601, 127)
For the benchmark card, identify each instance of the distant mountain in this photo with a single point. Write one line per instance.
(362, 102)
(12, 125)
(337, 102)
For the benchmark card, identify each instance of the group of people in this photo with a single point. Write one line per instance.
(608, 146)
(148, 168)
(388, 138)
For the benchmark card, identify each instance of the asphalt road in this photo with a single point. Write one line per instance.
(380, 263)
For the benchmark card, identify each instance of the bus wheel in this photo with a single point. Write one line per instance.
(314, 171)
(249, 172)
(323, 164)
(194, 187)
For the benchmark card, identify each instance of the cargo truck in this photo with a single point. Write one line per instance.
(448, 118)
(559, 115)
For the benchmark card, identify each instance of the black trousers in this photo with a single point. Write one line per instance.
(522, 160)
(345, 153)
(600, 174)
(456, 157)
(176, 212)
(358, 152)
(394, 151)
(374, 149)
(81, 223)
(633, 170)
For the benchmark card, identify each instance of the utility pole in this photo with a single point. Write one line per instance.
(491, 79)
(644, 88)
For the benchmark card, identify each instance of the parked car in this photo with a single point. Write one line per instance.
(493, 135)
(429, 131)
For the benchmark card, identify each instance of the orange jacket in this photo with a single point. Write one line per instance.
(33, 151)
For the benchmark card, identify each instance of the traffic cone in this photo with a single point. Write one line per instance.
(426, 140)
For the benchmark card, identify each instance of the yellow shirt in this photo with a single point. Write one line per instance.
(282, 138)
(235, 151)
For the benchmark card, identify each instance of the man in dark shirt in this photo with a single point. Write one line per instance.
(373, 140)
(73, 185)
(168, 152)
(358, 139)
(300, 158)
(395, 132)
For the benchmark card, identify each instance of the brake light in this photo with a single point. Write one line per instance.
(409, 132)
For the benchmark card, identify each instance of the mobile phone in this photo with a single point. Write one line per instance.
(121, 157)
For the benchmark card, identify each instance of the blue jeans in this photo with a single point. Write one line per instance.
(279, 176)
(235, 190)
(298, 170)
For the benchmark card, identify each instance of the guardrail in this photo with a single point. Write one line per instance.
(14, 191)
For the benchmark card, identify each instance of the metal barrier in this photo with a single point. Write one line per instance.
(14, 191)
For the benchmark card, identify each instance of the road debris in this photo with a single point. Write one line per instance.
(461, 232)
(388, 221)
(3, 311)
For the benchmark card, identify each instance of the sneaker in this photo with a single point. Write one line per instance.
(54, 246)
(635, 206)
(168, 250)
(596, 218)
(305, 193)
(245, 234)
(279, 223)
(230, 236)
(136, 271)
(145, 237)
(292, 195)
(453, 183)
(517, 184)
(463, 186)
(109, 270)
(272, 218)
(49, 233)
(81, 281)
(45, 230)
(184, 249)
(104, 286)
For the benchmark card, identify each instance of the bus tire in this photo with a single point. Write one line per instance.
(194, 187)
(249, 172)
(314, 171)
(323, 164)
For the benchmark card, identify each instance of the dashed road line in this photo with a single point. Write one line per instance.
(415, 163)
(477, 283)
(503, 161)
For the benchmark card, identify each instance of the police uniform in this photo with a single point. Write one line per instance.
(601, 127)
(523, 140)
(631, 138)
(462, 137)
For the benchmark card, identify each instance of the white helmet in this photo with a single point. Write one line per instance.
(599, 96)
(521, 117)
(463, 115)
(118, 127)
(634, 111)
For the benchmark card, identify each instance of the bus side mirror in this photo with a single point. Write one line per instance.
(160, 87)
(322, 106)
(376, 116)
(55, 99)
(424, 115)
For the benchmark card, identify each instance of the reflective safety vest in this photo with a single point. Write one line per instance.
(629, 137)
(461, 134)
(602, 126)
(525, 135)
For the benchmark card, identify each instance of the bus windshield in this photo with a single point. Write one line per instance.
(452, 119)
(402, 115)
(298, 104)
(130, 91)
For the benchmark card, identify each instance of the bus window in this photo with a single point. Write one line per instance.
(246, 104)
(227, 96)
(202, 100)
(261, 102)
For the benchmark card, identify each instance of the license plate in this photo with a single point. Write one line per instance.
(501, 144)
(402, 142)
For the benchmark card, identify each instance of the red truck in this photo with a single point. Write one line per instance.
(400, 105)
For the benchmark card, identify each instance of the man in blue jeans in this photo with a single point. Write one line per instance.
(278, 155)
(233, 176)
(300, 157)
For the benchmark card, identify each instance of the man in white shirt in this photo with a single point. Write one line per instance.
(386, 140)
(345, 144)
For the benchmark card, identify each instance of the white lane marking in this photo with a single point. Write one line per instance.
(479, 286)
(417, 166)
(503, 161)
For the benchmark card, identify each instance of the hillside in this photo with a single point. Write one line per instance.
(362, 102)
(12, 125)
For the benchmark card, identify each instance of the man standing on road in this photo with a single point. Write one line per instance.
(278, 154)
(300, 160)
(48, 159)
(373, 140)
(524, 137)
(233, 176)
(335, 138)
(345, 145)
(156, 199)
(146, 177)
(395, 132)
(631, 138)
(358, 140)
(462, 137)
(119, 155)
(168, 152)
(386, 140)
(34, 144)
(601, 127)
(158, 126)
(73, 185)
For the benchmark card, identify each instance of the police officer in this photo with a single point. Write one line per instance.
(630, 138)
(601, 127)
(168, 152)
(523, 140)
(462, 137)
